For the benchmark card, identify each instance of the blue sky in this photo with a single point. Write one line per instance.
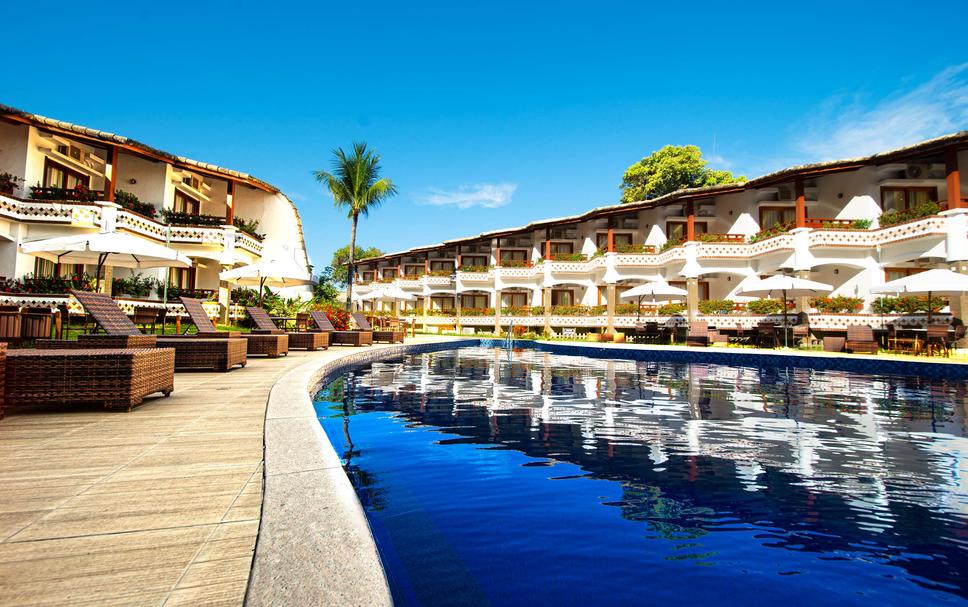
(490, 114)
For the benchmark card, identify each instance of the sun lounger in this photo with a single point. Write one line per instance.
(298, 339)
(272, 346)
(219, 354)
(389, 336)
(115, 379)
(342, 338)
(860, 338)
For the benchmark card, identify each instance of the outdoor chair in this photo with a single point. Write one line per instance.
(272, 346)
(937, 340)
(650, 332)
(301, 340)
(698, 334)
(389, 336)
(145, 316)
(341, 338)
(766, 335)
(860, 338)
(220, 354)
(10, 321)
(900, 343)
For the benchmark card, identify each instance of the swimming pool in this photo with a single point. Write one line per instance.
(531, 478)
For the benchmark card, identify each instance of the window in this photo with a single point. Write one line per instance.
(514, 300)
(620, 239)
(183, 278)
(413, 271)
(771, 216)
(562, 297)
(676, 230)
(514, 256)
(367, 276)
(442, 303)
(558, 249)
(44, 268)
(185, 204)
(476, 301)
(703, 288)
(71, 269)
(902, 199)
(437, 266)
(895, 273)
(467, 261)
(59, 176)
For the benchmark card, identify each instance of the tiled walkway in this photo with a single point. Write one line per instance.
(159, 506)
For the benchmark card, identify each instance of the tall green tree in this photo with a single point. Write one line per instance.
(325, 289)
(672, 168)
(356, 186)
(341, 258)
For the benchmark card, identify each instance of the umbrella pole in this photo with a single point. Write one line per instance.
(785, 343)
(97, 274)
(262, 282)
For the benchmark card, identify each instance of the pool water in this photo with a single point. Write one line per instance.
(492, 477)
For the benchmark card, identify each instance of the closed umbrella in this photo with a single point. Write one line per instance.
(123, 250)
(788, 286)
(930, 282)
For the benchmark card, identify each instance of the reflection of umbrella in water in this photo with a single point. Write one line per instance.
(789, 286)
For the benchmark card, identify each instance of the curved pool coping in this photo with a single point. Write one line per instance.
(315, 545)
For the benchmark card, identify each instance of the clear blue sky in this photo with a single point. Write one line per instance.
(533, 109)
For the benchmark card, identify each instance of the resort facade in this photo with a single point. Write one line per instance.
(852, 224)
(58, 179)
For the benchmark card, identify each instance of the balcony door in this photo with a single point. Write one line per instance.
(59, 176)
(186, 204)
(676, 230)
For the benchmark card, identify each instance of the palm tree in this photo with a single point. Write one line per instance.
(356, 185)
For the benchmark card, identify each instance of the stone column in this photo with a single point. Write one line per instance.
(224, 300)
(692, 298)
(106, 282)
(497, 312)
(610, 307)
(803, 302)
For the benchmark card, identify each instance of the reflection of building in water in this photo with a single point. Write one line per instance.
(872, 439)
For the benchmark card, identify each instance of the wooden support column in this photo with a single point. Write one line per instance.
(692, 298)
(690, 221)
(547, 247)
(497, 256)
(111, 183)
(952, 179)
(801, 204)
(611, 239)
(230, 204)
(458, 257)
(546, 301)
(610, 307)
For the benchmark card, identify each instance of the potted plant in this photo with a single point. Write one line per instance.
(8, 183)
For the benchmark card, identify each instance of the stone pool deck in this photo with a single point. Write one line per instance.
(159, 506)
(162, 505)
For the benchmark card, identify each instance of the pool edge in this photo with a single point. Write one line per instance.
(314, 543)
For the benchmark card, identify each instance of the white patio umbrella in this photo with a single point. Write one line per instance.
(656, 291)
(123, 250)
(789, 286)
(268, 272)
(930, 282)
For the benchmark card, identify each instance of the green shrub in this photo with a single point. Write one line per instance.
(922, 210)
(861, 224)
(672, 243)
(776, 230)
(249, 226)
(716, 306)
(765, 306)
(672, 309)
(909, 304)
(837, 305)
(129, 201)
(138, 285)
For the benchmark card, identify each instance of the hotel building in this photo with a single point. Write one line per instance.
(58, 178)
(852, 224)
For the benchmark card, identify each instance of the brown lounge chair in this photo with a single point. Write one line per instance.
(113, 378)
(701, 335)
(220, 354)
(860, 338)
(272, 346)
(340, 338)
(301, 340)
(389, 336)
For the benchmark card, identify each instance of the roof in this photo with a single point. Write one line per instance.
(936, 145)
(132, 144)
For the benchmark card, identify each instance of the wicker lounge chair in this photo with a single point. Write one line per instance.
(860, 338)
(341, 338)
(301, 340)
(196, 353)
(388, 336)
(272, 346)
(115, 379)
(698, 334)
